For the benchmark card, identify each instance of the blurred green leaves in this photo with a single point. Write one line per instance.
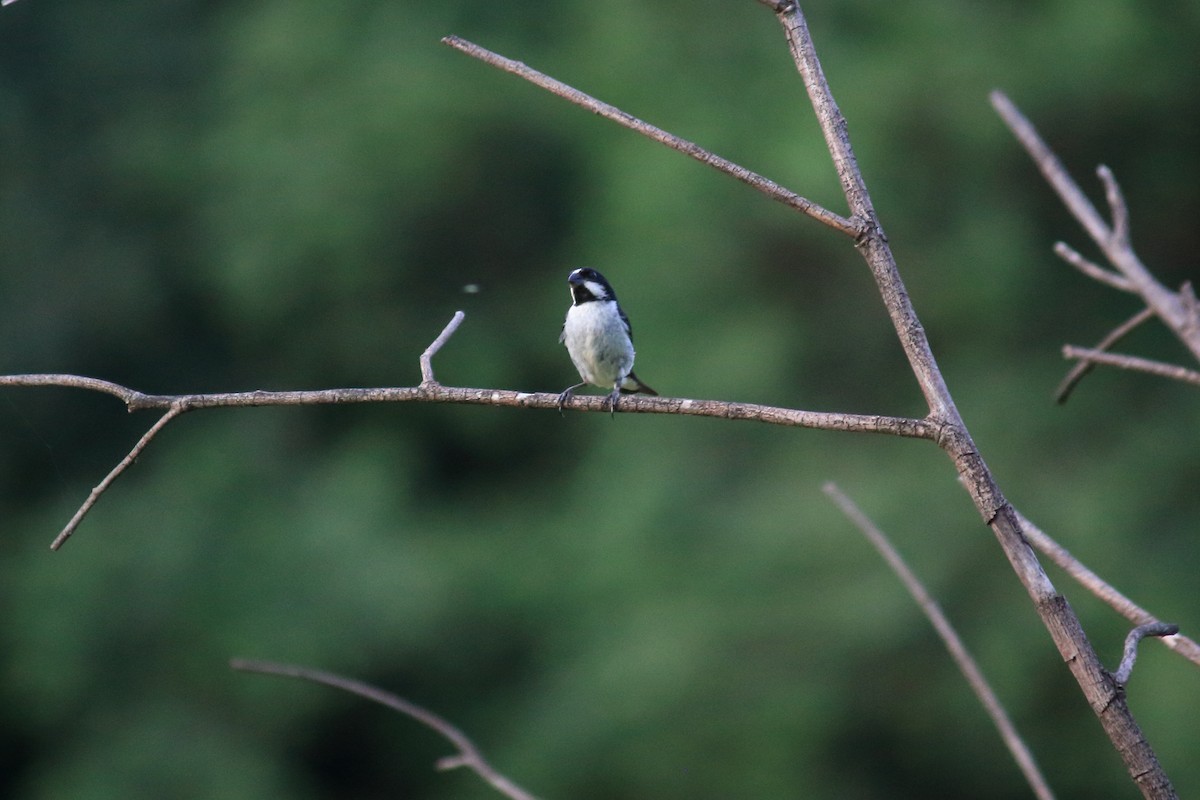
(220, 196)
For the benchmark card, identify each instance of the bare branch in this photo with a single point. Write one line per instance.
(1092, 269)
(1089, 580)
(125, 464)
(1113, 241)
(1125, 670)
(907, 427)
(1056, 614)
(958, 651)
(436, 345)
(128, 396)
(1077, 372)
(468, 755)
(430, 391)
(764, 185)
(1133, 363)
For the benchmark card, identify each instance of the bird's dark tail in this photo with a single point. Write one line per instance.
(632, 385)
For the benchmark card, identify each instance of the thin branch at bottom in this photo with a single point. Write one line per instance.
(958, 651)
(468, 755)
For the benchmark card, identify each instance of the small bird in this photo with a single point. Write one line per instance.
(599, 339)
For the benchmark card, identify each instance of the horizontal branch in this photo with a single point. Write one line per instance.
(437, 393)
(430, 391)
(1084, 366)
(1133, 363)
(609, 112)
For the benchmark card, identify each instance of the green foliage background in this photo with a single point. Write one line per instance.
(269, 194)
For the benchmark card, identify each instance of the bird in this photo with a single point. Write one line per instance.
(599, 339)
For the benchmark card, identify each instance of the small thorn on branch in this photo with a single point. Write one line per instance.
(1116, 205)
(1121, 676)
(427, 378)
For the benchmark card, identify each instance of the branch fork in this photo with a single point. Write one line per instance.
(1176, 310)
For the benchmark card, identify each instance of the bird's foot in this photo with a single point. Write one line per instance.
(563, 398)
(614, 400)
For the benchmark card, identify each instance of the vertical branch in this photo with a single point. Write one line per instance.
(1105, 697)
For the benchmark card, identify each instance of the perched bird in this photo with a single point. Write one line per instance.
(599, 339)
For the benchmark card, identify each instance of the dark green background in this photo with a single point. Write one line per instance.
(292, 194)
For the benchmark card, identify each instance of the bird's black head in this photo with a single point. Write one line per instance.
(587, 285)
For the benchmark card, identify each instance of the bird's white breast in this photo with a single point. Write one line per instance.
(597, 342)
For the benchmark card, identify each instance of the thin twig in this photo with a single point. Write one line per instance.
(1134, 363)
(1077, 372)
(468, 755)
(1107, 593)
(1092, 269)
(950, 638)
(125, 464)
(764, 185)
(436, 345)
(1125, 670)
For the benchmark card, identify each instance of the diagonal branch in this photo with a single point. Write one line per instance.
(125, 464)
(1104, 696)
(764, 185)
(468, 755)
(437, 344)
(958, 651)
(1092, 269)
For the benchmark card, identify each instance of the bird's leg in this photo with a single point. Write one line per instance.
(566, 395)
